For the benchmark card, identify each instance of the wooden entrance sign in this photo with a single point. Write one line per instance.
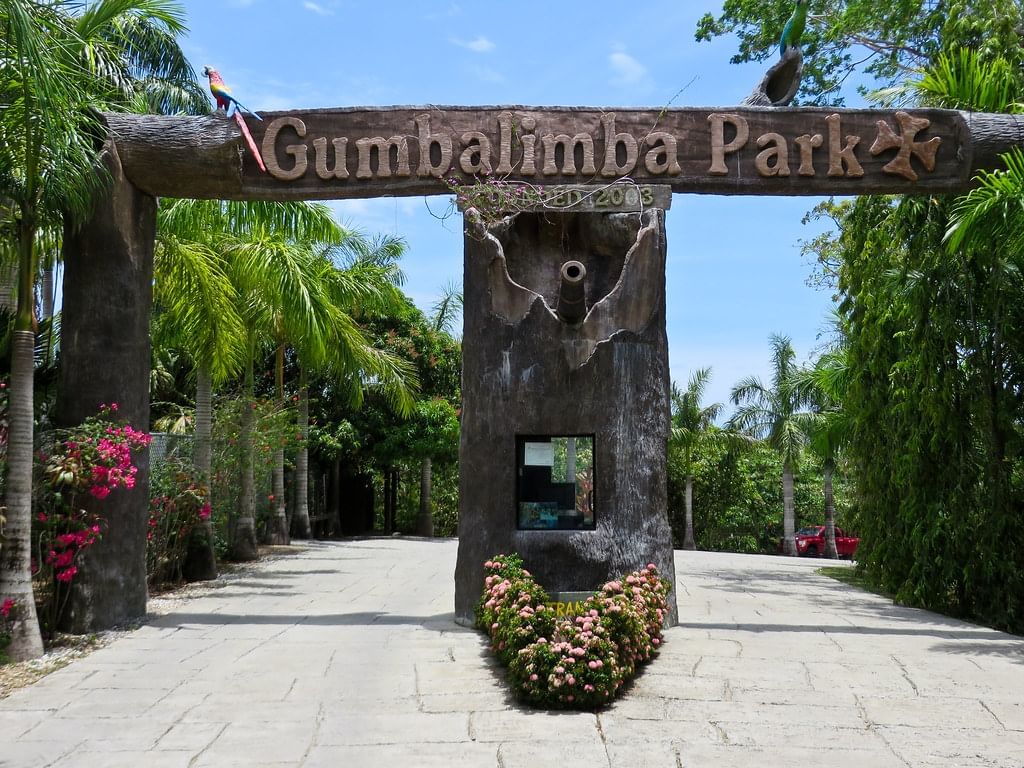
(396, 151)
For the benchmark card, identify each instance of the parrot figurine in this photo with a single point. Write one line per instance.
(794, 28)
(233, 108)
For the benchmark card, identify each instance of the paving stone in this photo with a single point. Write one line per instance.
(552, 752)
(426, 755)
(35, 754)
(13, 723)
(836, 756)
(495, 701)
(118, 734)
(259, 742)
(1009, 713)
(524, 725)
(401, 728)
(191, 737)
(95, 756)
(924, 712)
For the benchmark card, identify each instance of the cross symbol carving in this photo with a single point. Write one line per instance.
(909, 128)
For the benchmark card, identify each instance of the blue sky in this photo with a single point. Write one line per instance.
(735, 273)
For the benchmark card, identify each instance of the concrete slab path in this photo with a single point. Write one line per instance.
(345, 655)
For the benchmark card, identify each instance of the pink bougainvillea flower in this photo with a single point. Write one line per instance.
(7, 608)
(67, 574)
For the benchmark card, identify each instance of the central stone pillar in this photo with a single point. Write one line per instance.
(565, 405)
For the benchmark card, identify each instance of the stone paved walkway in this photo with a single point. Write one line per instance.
(346, 655)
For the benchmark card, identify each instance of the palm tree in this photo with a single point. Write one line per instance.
(56, 69)
(362, 279)
(447, 309)
(693, 429)
(199, 313)
(827, 426)
(269, 272)
(773, 414)
(197, 281)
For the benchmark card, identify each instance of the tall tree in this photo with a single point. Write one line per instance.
(934, 333)
(693, 428)
(886, 41)
(271, 273)
(773, 413)
(362, 278)
(59, 63)
(826, 425)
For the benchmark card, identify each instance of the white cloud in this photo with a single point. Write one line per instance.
(626, 69)
(317, 9)
(480, 45)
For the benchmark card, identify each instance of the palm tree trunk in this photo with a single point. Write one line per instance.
(388, 493)
(201, 560)
(334, 497)
(830, 513)
(425, 519)
(203, 455)
(9, 289)
(300, 518)
(279, 525)
(15, 565)
(688, 542)
(46, 289)
(788, 511)
(243, 536)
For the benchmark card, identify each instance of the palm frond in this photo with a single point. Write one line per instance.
(750, 389)
(448, 309)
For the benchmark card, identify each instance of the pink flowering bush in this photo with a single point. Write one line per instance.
(8, 615)
(96, 456)
(85, 463)
(178, 505)
(512, 609)
(579, 662)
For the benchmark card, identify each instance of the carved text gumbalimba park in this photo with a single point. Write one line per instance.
(518, 145)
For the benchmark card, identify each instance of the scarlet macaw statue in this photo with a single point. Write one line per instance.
(233, 108)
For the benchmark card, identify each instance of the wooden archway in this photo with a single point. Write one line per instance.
(395, 151)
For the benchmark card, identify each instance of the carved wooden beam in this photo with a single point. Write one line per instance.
(396, 151)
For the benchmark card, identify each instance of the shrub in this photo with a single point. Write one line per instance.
(8, 615)
(90, 460)
(177, 506)
(578, 662)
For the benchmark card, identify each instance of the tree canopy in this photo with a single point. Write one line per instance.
(847, 39)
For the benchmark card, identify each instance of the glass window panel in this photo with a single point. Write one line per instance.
(555, 482)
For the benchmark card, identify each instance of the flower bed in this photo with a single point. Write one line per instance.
(579, 662)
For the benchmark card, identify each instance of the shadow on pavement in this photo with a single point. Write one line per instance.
(440, 622)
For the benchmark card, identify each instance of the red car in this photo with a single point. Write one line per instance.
(810, 542)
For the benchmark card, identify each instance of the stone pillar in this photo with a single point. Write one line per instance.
(527, 372)
(105, 358)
